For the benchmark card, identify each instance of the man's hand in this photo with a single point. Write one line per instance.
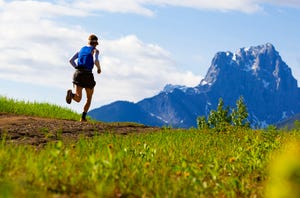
(97, 63)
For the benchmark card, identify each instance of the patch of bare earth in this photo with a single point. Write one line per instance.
(38, 131)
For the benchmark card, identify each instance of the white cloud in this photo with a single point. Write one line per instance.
(133, 70)
(35, 48)
(142, 6)
(237, 5)
(122, 6)
(30, 9)
(248, 6)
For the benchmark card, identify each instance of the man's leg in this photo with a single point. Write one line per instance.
(78, 94)
(89, 95)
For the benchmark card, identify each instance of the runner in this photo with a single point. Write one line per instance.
(83, 78)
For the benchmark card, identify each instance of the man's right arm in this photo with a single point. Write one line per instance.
(72, 60)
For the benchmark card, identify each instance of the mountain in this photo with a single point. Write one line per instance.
(123, 111)
(257, 73)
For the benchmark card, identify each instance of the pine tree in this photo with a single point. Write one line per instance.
(240, 114)
(219, 117)
(202, 123)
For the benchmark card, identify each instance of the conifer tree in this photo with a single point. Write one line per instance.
(239, 115)
(221, 117)
(202, 123)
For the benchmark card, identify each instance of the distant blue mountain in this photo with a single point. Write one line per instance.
(123, 111)
(257, 73)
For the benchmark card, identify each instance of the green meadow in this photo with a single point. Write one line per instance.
(236, 162)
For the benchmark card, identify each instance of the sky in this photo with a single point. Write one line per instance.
(144, 44)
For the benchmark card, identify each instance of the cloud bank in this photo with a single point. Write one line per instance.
(138, 69)
(142, 6)
(35, 48)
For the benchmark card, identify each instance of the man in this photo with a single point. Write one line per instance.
(83, 78)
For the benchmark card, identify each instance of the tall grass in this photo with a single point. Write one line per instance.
(8, 105)
(169, 163)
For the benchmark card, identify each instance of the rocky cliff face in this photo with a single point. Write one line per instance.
(260, 76)
(256, 73)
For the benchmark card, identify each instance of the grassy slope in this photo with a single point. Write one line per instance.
(169, 163)
(36, 109)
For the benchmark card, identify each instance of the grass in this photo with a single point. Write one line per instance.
(46, 110)
(168, 163)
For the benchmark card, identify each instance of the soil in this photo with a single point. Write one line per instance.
(20, 129)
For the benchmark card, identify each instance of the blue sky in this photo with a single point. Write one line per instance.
(144, 44)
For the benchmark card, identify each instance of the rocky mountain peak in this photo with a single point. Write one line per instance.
(261, 62)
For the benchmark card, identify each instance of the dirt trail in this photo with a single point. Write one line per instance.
(38, 131)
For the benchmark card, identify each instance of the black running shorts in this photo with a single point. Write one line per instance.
(84, 79)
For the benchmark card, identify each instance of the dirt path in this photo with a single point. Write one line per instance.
(38, 131)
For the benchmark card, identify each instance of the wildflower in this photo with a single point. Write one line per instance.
(232, 159)
(178, 173)
(186, 174)
(147, 164)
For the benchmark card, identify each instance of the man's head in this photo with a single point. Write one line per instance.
(93, 40)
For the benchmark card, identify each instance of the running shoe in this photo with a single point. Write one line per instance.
(69, 96)
(83, 120)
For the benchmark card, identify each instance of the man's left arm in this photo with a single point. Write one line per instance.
(97, 62)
